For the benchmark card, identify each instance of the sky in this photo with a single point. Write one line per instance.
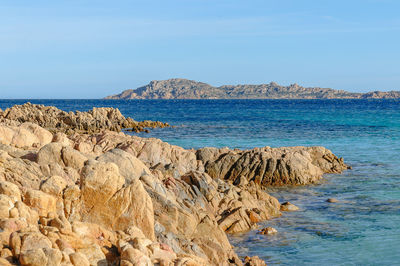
(91, 49)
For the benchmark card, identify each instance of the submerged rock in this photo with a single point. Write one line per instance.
(332, 200)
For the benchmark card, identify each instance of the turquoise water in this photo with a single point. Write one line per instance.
(362, 229)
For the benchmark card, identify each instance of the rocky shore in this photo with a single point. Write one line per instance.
(56, 120)
(75, 191)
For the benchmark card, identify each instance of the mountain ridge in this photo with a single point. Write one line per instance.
(178, 88)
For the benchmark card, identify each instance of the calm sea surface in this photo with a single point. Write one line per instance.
(362, 229)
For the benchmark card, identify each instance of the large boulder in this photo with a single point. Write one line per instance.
(271, 166)
(107, 202)
(129, 166)
(24, 135)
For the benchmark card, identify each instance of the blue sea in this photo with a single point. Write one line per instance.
(363, 228)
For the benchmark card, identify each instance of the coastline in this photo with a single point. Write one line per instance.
(187, 194)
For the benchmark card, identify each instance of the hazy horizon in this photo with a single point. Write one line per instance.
(92, 49)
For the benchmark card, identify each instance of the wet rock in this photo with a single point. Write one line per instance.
(268, 231)
(288, 207)
(254, 261)
(332, 200)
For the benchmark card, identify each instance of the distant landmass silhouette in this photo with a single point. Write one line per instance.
(190, 89)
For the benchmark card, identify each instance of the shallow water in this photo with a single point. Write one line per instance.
(363, 228)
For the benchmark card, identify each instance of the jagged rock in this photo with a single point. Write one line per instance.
(54, 119)
(272, 166)
(112, 199)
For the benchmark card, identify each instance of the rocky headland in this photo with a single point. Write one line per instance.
(96, 196)
(56, 120)
(189, 89)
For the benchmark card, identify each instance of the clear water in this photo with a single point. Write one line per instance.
(362, 229)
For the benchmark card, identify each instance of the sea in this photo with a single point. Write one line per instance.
(363, 228)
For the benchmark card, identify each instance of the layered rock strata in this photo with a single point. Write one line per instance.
(112, 199)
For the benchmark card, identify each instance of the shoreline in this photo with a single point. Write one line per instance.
(187, 194)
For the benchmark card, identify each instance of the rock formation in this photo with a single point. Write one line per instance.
(56, 120)
(271, 166)
(108, 198)
(189, 89)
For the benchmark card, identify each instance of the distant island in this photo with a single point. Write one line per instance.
(190, 89)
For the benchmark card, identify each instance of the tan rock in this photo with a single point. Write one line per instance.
(33, 257)
(287, 207)
(78, 259)
(42, 202)
(94, 255)
(106, 203)
(134, 256)
(6, 254)
(254, 261)
(34, 240)
(268, 231)
(332, 200)
(63, 139)
(54, 256)
(100, 181)
(50, 154)
(29, 215)
(42, 134)
(129, 166)
(6, 135)
(6, 205)
(272, 166)
(11, 190)
(73, 158)
(54, 185)
(5, 262)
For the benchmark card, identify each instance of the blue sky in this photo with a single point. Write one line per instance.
(90, 49)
